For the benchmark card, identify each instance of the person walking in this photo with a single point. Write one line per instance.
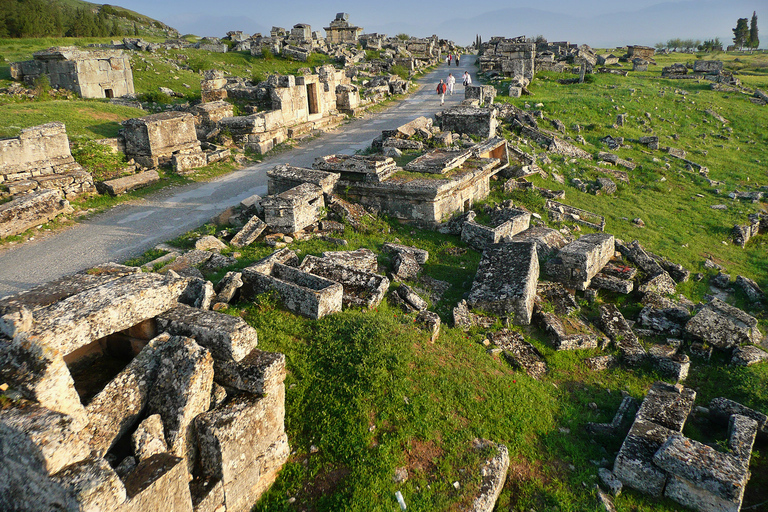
(441, 88)
(467, 79)
(451, 82)
(450, 58)
(457, 59)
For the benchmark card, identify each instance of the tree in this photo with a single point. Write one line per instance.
(754, 41)
(660, 45)
(741, 32)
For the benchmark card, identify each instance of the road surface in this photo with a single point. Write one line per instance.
(131, 229)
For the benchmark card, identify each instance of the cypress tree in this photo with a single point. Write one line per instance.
(741, 33)
(754, 41)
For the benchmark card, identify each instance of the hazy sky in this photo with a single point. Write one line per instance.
(595, 22)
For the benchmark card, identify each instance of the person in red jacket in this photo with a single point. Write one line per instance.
(441, 88)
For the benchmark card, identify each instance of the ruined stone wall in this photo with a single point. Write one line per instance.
(91, 74)
(152, 140)
(40, 158)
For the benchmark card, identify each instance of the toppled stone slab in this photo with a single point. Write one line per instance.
(568, 333)
(721, 409)
(361, 288)
(519, 352)
(284, 256)
(420, 255)
(31, 210)
(227, 337)
(634, 463)
(578, 262)
(259, 373)
(751, 289)
(470, 120)
(601, 363)
(670, 361)
(614, 284)
(409, 129)
(430, 322)
(149, 439)
(548, 240)
(372, 168)
(438, 161)
(464, 318)
(250, 232)
(161, 478)
(723, 326)
(506, 279)
(303, 293)
(282, 178)
(554, 144)
(361, 259)
(119, 186)
(618, 330)
(667, 405)
(493, 474)
(405, 266)
(747, 355)
(408, 299)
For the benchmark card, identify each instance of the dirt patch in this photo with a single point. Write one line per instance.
(421, 456)
(325, 483)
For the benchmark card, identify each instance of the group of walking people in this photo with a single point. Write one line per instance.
(453, 58)
(446, 86)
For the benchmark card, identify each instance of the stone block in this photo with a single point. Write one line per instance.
(430, 322)
(723, 326)
(282, 178)
(303, 293)
(618, 330)
(284, 256)
(31, 210)
(119, 186)
(548, 240)
(667, 405)
(160, 479)
(519, 352)
(184, 163)
(228, 287)
(506, 279)
(420, 255)
(584, 258)
(92, 485)
(294, 209)
(480, 121)
(361, 288)
(361, 259)
(259, 373)
(747, 355)
(405, 266)
(493, 474)
(149, 438)
(634, 464)
(614, 284)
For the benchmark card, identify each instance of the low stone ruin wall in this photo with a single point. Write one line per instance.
(39, 159)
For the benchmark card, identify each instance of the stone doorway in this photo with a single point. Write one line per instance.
(312, 100)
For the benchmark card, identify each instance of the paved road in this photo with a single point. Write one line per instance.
(131, 229)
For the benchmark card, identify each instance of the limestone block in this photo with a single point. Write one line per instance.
(493, 474)
(420, 255)
(406, 266)
(39, 372)
(116, 408)
(303, 293)
(259, 373)
(160, 479)
(149, 438)
(618, 330)
(210, 243)
(506, 279)
(39, 438)
(92, 314)
(361, 259)
(585, 257)
(228, 287)
(31, 210)
(634, 464)
(243, 444)
(430, 322)
(183, 163)
(250, 232)
(284, 256)
(182, 390)
(748, 355)
(667, 405)
(547, 240)
(519, 352)
(360, 288)
(92, 484)
(199, 293)
(610, 283)
(723, 325)
(721, 409)
(125, 184)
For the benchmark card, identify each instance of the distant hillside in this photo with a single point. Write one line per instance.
(75, 18)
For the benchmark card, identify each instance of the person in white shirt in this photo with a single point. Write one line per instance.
(451, 81)
(467, 79)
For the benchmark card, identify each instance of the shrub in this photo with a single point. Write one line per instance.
(98, 159)
(399, 71)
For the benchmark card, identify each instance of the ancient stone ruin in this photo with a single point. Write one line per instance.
(128, 397)
(341, 31)
(89, 73)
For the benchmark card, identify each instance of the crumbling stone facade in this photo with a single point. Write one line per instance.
(121, 399)
(341, 31)
(40, 159)
(89, 73)
(155, 139)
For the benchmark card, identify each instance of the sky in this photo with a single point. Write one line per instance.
(598, 23)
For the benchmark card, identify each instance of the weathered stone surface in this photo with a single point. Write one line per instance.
(721, 409)
(613, 284)
(259, 372)
(294, 209)
(250, 232)
(455, 224)
(600, 363)
(610, 481)
(438, 161)
(228, 287)
(92, 485)
(660, 283)
(162, 478)
(568, 333)
(493, 474)
(39, 439)
(189, 259)
(470, 120)
(519, 352)
(405, 266)
(40, 374)
(667, 405)
(747, 355)
(634, 464)
(464, 318)
(548, 240)
(119, 186)
(723, 326)
(303, 293)
(669, 319)
(506, 279)
(361, 259)
(411, 298)
(199, 293)
(243, 444)
(285, 177)
(209, 243)
(361, 288)
(420, 255)
(181, 391)
(149, 438)
(578, 262)
(627, 407)
(227, 337)
(751, 289)
(284, 256)
(616, 327)
(152, 140)
(31, 210)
